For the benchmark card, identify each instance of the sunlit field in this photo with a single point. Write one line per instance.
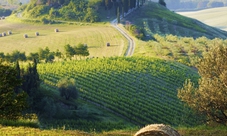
(214, 17)
(94, 35)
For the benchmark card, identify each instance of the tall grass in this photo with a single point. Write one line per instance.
(18, 123)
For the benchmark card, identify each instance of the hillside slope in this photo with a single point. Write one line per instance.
(214, 17)
(143, 90)
(156, 19)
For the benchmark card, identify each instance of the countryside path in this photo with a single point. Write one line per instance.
(131, 46)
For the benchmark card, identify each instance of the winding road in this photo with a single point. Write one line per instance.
(131, 46)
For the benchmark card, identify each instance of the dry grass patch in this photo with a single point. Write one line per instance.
(95, 36)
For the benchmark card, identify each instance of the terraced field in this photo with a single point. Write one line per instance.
(143, 90)
(94, 35)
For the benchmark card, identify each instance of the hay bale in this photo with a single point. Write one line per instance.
(4, 34)
(25, 36)
(107, 44)
(157, 130)
(0, 35)
(9, 32)
(36, 33)
(56, 30)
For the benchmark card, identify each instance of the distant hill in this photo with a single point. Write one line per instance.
(157, 19)
(177, 5)
(214, 17)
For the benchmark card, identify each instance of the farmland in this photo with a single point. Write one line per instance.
(94, 35)
(214, 17)
(143, 90)
(117, 95)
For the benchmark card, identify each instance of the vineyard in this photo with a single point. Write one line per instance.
(142, 90)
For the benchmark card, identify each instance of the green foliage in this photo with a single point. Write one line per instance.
(14, 56)
(67, 88)
(5, 12)
(12, 103)
(81, 50)
(210, 96)
(69, 51)
(135, 30)
(19, 123)
(30, 78)
(77, 10)
(45, 54)
(162, 2)
(142, 90)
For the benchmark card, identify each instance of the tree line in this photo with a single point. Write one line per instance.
(46, 55)
(22, 96)
(76, 10)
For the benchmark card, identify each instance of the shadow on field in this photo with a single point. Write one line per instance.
(112, 45)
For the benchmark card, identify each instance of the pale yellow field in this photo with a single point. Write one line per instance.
(94, 35)
(214, 17)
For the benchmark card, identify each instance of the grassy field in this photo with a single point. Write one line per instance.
(214, 17)
(94, 35)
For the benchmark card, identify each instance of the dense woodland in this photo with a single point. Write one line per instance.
(76, 10)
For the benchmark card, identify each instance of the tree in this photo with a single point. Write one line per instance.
(69, 51)
(81, 49)
(162, 2)
(11, 103)
(67, 88)
(210, 96)
(30, 78)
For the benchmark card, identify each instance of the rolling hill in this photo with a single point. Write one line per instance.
(156, 19)
(142, 90)
(215, 17)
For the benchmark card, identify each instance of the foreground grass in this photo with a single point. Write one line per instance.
(197, 131)
(94, 35)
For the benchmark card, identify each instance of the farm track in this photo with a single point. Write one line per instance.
(131, 42)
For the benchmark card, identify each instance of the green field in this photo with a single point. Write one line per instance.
(142, 90)
(94, 35)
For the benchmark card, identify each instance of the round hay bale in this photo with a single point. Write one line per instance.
(56, 30)
(9, 32)
(25, 36)
(0, 35)
(157, 130)
(36, 33)
(4, 34)
(107, 44)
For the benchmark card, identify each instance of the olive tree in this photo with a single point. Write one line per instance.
(67, 88)
(210, 95)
